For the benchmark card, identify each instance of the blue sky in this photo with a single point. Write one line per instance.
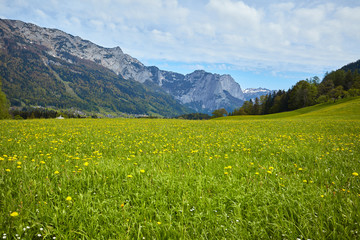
(261, 43)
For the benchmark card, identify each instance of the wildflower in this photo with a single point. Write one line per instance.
(129, 176)
(8, 170)
(271, 168)
(256, 173)
(68, 198)
(19, 163)
(86, 164)
(304, 181)
(226, 173)
(14, 214)
(18, 166)
(122, 205)
(158, 223)
(322, 195)
(142, 171)
(269, 172)
(300, 169)
(355, 174)
(56, 172)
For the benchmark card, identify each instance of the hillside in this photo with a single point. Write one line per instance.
(346, 109)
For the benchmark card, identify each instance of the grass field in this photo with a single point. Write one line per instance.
(286, 176)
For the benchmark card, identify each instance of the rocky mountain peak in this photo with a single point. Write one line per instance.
(199, 90)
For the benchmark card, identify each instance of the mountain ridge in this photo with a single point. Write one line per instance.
(31, 77)
(199, 90)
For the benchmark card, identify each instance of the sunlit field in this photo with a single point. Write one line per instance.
(290, 178)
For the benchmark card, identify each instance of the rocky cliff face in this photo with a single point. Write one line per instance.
(199, 90)
(205, 91)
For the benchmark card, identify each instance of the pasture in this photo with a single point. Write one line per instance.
(292, 177)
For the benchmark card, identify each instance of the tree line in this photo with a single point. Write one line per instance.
(336, 85)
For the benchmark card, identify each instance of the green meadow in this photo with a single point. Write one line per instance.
(291, 175)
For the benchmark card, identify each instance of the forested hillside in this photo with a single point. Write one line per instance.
(335, 85)
(31, 77)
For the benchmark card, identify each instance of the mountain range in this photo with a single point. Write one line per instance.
(48, 67)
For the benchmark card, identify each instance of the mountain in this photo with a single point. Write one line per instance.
(252, 93)
(37, 71)
(199, 90)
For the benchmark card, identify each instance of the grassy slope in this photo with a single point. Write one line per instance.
(347, 109)
(284, 176)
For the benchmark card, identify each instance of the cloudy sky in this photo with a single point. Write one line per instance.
(261, 43)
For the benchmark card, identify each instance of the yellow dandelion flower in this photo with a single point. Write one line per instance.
(68, 198)
(19, 163)
(257, 173)
(158, 223)
(226, 173)
(355, 174)
(300, 169)
(8, 170)
(122, 205)
(56, 172)
(129, 176)
(142, 171)
(269, 172)
(14, 214)
(86, 164)
(304, 181)
(322, 195)
(18, 166)
(271, 168)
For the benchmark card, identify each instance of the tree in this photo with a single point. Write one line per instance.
(325, 87)
(257, 107)
(337, 93)
(4, 104)
(219, 113)
(302, 95)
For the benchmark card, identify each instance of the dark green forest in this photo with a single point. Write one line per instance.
(335, 85)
